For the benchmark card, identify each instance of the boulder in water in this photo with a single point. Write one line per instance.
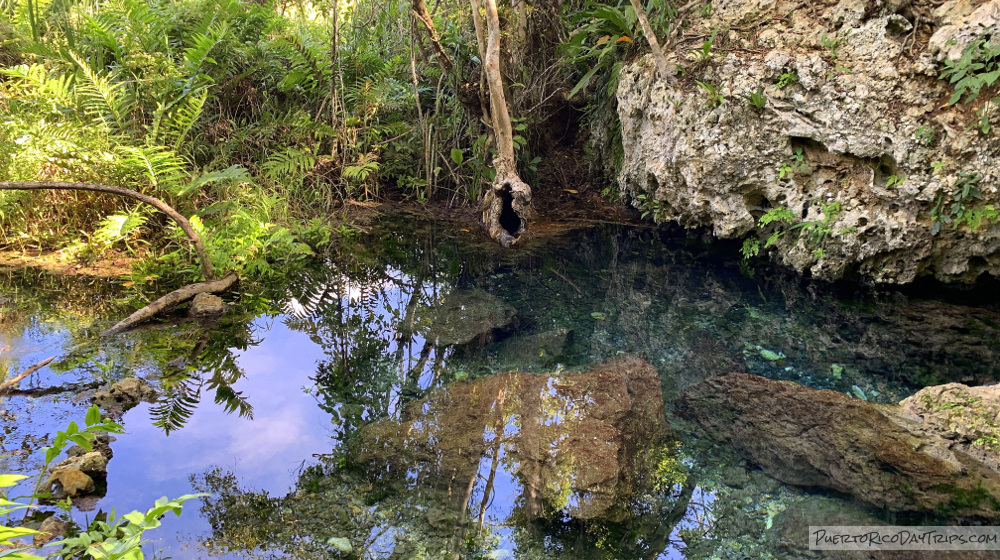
(886, 455)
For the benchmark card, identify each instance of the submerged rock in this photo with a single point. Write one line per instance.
(577, 443)
(789, 537)
(206, 305)
(52, 528)
(341, 544)
(536, 350)
(462, 316)
(125, 394)
(886, 455)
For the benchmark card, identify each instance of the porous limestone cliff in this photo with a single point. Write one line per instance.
(856, 139)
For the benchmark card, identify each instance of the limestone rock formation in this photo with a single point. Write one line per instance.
(901, 457)
(206, 305)
(856, 138)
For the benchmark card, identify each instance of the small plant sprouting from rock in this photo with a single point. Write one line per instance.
(651, 206)
(713, 97)
(795, 164)
(961, 210)
(925, 134)
(832, 44)
(705, 53)
(788, 78)
(814, 232)
(894, 181)
(978, 68)
(757, 98)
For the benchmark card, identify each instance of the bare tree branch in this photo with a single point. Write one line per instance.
(185, 225)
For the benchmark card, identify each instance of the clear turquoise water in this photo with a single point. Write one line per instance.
(274, 410)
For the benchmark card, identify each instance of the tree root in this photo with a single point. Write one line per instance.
(185, 225)
(168, 302)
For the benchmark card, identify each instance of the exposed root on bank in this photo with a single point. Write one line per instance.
(168, 302)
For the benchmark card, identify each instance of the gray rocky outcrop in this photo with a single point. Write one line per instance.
(206, 305)
(936, 451)
(854, 105)
(124, 394)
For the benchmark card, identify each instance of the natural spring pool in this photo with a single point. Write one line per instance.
(366, 397)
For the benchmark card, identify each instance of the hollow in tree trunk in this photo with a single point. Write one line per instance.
(507, 205)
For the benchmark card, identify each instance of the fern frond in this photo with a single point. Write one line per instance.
(110, 102)
(162, 167)
(198, 54)
(233, 173)
(186, 115)
(120, 226)
(290, 161)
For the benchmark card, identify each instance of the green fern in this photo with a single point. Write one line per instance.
(289, 162)
(120, 226)
(162, 167)
(233, 173)
(102, 98)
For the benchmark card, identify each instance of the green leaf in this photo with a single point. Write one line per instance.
(457, 156)
(584, 81)
(93, 415)
(8, 480)
(7, 533)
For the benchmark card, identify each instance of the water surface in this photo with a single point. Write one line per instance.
(368, 397)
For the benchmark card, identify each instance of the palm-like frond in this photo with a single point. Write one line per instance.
(161, 166)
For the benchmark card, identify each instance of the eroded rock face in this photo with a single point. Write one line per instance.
(890, 456)
(575, 443)
(853, 106)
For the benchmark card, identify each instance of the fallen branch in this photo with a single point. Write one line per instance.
(8, 384)
(185, 225)
(168, 302)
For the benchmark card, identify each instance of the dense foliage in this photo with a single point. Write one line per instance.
(255, 117)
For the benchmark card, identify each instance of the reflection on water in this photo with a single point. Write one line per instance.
(371, 399)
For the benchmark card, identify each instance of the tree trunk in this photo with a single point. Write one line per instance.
(420, 11)
(507, 206)
(654, 45)
(334, 73)
(199, 247)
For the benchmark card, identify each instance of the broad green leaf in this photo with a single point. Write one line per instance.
(8, 480)
(93, 416)
(457, 156)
